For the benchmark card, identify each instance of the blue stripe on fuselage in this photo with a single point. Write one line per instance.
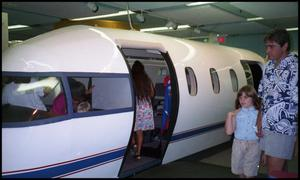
(102, 159)
(70, 167)
(190, 133)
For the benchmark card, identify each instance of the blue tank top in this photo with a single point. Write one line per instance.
(246, 124)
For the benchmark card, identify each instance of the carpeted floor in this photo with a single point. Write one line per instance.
(212, 163)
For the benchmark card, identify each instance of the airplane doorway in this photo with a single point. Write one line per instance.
(161, 71)
(253, 73)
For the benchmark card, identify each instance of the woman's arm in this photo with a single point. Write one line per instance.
(259, 124)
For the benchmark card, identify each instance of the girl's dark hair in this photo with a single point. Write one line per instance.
(77, 89)
(142, 83)
(280, 36)
(250, 92)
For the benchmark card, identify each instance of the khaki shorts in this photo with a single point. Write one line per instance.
(277, 145)
(245, 157)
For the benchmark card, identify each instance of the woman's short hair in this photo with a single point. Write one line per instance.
(281, 36)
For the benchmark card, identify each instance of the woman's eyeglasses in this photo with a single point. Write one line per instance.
(271, 46)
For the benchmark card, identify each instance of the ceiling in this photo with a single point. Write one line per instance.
(225, 18)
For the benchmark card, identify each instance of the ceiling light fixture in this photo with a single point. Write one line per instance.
(197, 37)
(19, 26)
(197, 30)
(140, 17)
(163, 28)
(198, 3)
(255, 19)
(120, 13)
(92, 6)
(154, 29)
(184, 26)
(292, 29)
(171, 24)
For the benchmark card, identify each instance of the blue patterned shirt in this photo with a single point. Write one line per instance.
(278, 89)
(245, 124)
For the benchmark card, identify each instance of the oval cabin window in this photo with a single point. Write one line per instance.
(215, 80)
(234, 80)
(191, 81)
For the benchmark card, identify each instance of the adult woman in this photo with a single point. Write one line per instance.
(278, 88)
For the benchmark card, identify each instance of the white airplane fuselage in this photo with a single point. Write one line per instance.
(94, 144)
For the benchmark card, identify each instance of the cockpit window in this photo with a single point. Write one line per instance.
(27, 98)
(31, 98)
(101, 93)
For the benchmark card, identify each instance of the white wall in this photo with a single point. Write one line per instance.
(256, 42)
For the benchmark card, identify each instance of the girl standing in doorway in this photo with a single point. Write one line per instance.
(144, 90)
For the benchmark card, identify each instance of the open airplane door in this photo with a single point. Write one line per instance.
(160, 70)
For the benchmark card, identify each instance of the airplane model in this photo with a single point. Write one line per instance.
(203, 80)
